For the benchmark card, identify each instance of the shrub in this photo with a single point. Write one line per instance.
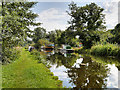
(82, 50)
(51, 73)
(106, 50)
(14, 54)
(59, 83)
(10, 54)
(55, 77)
(37, 55)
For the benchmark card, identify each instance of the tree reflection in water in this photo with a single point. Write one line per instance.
(60, 59)
(92, 75)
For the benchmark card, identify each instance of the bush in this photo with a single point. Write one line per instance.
(106, 50)
(55, 77)
(37, 55)
(10, 55)
(82, 50)
(14, 54)
(41, 42)
(59, 83)
(51, 73)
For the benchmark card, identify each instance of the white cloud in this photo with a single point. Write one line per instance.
(56, 18)
(111, 14)
(53, 18)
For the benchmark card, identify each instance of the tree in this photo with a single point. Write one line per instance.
(116, 34)
(87, 20)
(16, 19)
(39, 33)
(52, 36)
(55, 36)
(41, 42)
(62, 38)
(105, 36)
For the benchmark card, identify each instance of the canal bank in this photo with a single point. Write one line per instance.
(26, 72)
(104, 50)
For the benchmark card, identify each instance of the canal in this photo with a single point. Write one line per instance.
(84, 71)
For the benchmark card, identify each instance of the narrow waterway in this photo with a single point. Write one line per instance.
(84, 71)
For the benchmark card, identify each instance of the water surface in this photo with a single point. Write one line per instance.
(84, 71)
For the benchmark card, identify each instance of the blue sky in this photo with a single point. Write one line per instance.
(53, 15)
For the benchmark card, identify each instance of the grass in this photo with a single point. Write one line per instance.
(106, 50)
(27, 73)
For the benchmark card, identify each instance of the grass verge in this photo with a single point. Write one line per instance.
(26, 72)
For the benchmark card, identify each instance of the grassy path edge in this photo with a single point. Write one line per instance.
(26, 72)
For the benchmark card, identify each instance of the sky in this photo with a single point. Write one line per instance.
(53, 15)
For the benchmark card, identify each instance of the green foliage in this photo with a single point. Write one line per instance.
(105, 36)
(10, 55)
(87, 17)
(37, 55)
(39, 33)
(52, 36)
(74, 42)
(41, 42)
(55, 77)
(86, 20)
(106, 50)
(62, 38)
(60, 82)
(59, 37)
(116, 34)
(82, 51)
(70, 38)
(16, 17)
(15, 54)
(55, 36)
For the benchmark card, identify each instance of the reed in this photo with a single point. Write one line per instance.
(106, 50)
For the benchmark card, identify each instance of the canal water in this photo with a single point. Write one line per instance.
(84, 71)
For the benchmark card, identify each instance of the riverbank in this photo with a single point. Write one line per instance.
(26, 72)
(102, 50)
(105, 50)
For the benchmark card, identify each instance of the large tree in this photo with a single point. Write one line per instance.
(16, 19)
(86, 20)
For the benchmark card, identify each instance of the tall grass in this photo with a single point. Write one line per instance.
(106, 50)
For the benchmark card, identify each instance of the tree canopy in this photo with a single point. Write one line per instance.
(39, 33)
(116, 34)
(86, 20)
(16, 19)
